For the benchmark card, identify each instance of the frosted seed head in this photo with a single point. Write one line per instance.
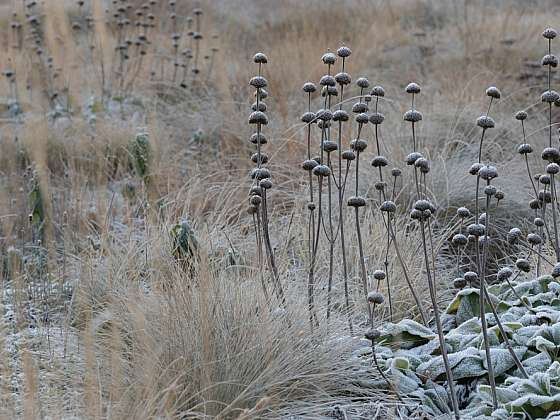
(377, 91)
(362, 118)
(493, 92)
(329, 91)
(340, 115)
(412, 158)
(551, 154)
(423, 164)
(475, 167)
(255, 190)
(544, 179)
(359, 107)
(424, 205)
(356, 202)
(412, 115)
(328, 58)
(550, 60)
(534, 204)
(524, 149)
(309, 87)
(375, 298)
(262, 173)
(523, 265)
(329, 146)
(308, 117)
(308, 164)
(545, 196)
(476, 229)
(258, 138)
(258, 106)
(412, 88)
(344, 52)
(485, 122)
(534, 239)
(379, 161)
(379, 275)
(327, 80)
(470, 276)
(348, 155)
(556, 270)
(321, 170)
(258, 82)
(490, 190)
(260, 58)
(482, 219)
(358, 145)
(376, 118)
(488, 172)
(463, 212)
(396, 172)
(362, 82)
(324, 115)
(552, 168)
(343, 78)
(261, 93)
(538, 222)
(459, 240)
(550, 96)
(521, 115)
(372, 334)
(258, 117)
(380, 185)
(255, 157)
(255, 200)
(514, 235)
(549, 33)
(265, 184)
(504, 273)
(459, 283)
(388, 206)
(500, 195)
(311, 206)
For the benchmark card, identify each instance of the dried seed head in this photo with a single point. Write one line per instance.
(308, 164)
(551, 154)
(359, 107)
(549, 33)
(323, 124)
(423, 205)
(344, 52)
(552, 168)
(376, 118)
(308, 117)
(470, 276)
(262, 173)
(348, 155)
(504, 273)
(513, 235)
(260, 106)
(550, 96)
(255, 157)
(362, 82)
(260, 58)
(544, 179)
(412, 88)
(490, 190)
(362, 118)
(549, 60)
(255, 190)
(265, 184)
(534, 239)
(378, 91)
(379, 275)
(534, 204)
(475, 167)
(321, 170)
(488, 172)
(379, 162)
(324, 115)
(412, 116)
(356, 202)
(459, 283)
(327, 80)
(329, 146)
(493, 92)
(358, 145)
(343, 78)
(485, 122)
(525, 149)
(545, 196)
(372, 334)
(396, 172)
(463, 212)
(380, 185)
(258, 138)
(258, 82)
(412, 158)
(538, 222)
(375, 298)
(309, 87)
(258, 117)
(388, 206)
(523, 265)
(459, 240)
(521, 115)
(261, 93)
(255, 200)
(252, 209)
(482, 219)
(556, 270)
(484, 241)
(476, 229)
(340, 115)
(329, 91)
(329, 58)
(423, 164)
(311, 206)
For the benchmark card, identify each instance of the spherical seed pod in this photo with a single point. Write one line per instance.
(459, 283)
(266, 184)
(424, 205)
(380, 185)
(258, 117)
(327, 80)
(367, 98)
(490, 190)
(362, 83)
(463, 212)
(470, 276)
(261, 93)
(344, 52)
(412, 88)
(348, 155)
(545, 196)
(534, 239)
(258, 82)
(388, 206)
(396, 172)
(309, 117)
(356, 202)
(362, 118)
(359, 107)
(549, 33)
(523, 265)
(475, 167)
(308, 164)
(309, 87)
(321, 170)
(311, 206)
(476, 229)
(412, 116)
(329, 146)
(329, 58)
(534, 204)
(556, 270)
(252, 210)
(258, 138)
(485, 122)
(376, 118)
(493, 92)
(323, 124)
(255, 157)
(255, 200)
(549, 60)
(471, 239)
(514, 235)
(358, 145)
(551, 154)
(412, 158)
(379, 275)
(524, 149)
(504, 273)
(488, 172)
(377, 91)
(423, 164)
(521, 115)
(552, 168)
(343, 78)
(550, 96)
(416, 214)
(375, 298)
(260, 106)
(340, 115)
(262, 173)
(372, 334)
(255, 190)
(459, 240)
(499, 195)
(329, 91)
(538, 222)
(260, 58)
(544, 179)
(324, 115)
(379, 161)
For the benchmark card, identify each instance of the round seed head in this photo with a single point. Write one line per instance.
(545, 196)
(255, 200)
(424, 205)
(258, 138)
(470, 276)
(493, 92)
(412, 116)
(375, 298)
(255, 190)
(343, 78)
(534, 204)
(523, 265)
(372, 334)
(544, 179)
(324, 115)
(556, 271)
(255, 157)
(376, 118)
(463, 212)
(258, 82)
(504, 273)
(262, 173)
(344, 52)
(412, 158)
(321, 170)
(329, 91)
(379, 162)
(252, 209)
(260, 58)
(311, 206)
(485, 122)
(362, 118)
(412, 88)
(358, 145)
(328, 58)
(552, 168)
(396, 172)
(538, 222)
(482, 219)
(265, 184)
(327, 80)
(260, 106)
(521, 115)
(340, 115)
(551, 154)
(423, 164)
(348, 155)
(309, 87)
(329, 146)
(380, 186)
(379, 275)
(513, 235)
(488, 172)
(524, 149)
(475, 167)
(490, 190)
(534, 239)
(323, 124)
(261, 93)
(388, 206)
(549, 33)
(356, 202)
(499, 195)
(378, 91)
(550, 96)
(309, 164)
(359, 107)
(459, 283)
(459, 240)
(317, 159)
(308, 117)
(362, 82)
(258, 117)
(476, 229)
(549, 60)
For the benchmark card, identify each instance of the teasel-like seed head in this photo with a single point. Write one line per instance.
(340, 115)
(523, 265)
(344, 52)
(375, 298)
(356, 202)
(309, 117)
(372, 334)
(470, 276)
(376, 118)
(556, 270)
(514, 235)
(396, 172)
(490, 190)
(343, 78)
(358, 145)
(538, 222)
(521, 115)
(324, 115)
(327, 80)
(329, 58)
(493, 92)
(377, 91)
(348, 155)
(258, 82)
(265, 184)
(549, 33)
(550, 96)
(485, 122)
(258, 117)
(459, 283)
(309, 87)
(525, 149)
(459, 240)
(463, 212)
(549, 60)
(388, 206)
(552, 168)
(412, 88)
(379, 275)
(260, 58)
(321, 170)
(412, 115)
(379, 161)
(476, 229)
(545, 196)
(534, 239)
(423, 164)
(362, 118)
(475, 167)
(362, 83)
(329, 146)
(544, 179)
(534, 204)
(255, 200)
(255, 157)
(412, 158)
(504, 273)
(380, 185)
(360, 107)
(255, 190)
(488, 172)
(260, 106)
(258, 138)
(551, 154)
(309, 164)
